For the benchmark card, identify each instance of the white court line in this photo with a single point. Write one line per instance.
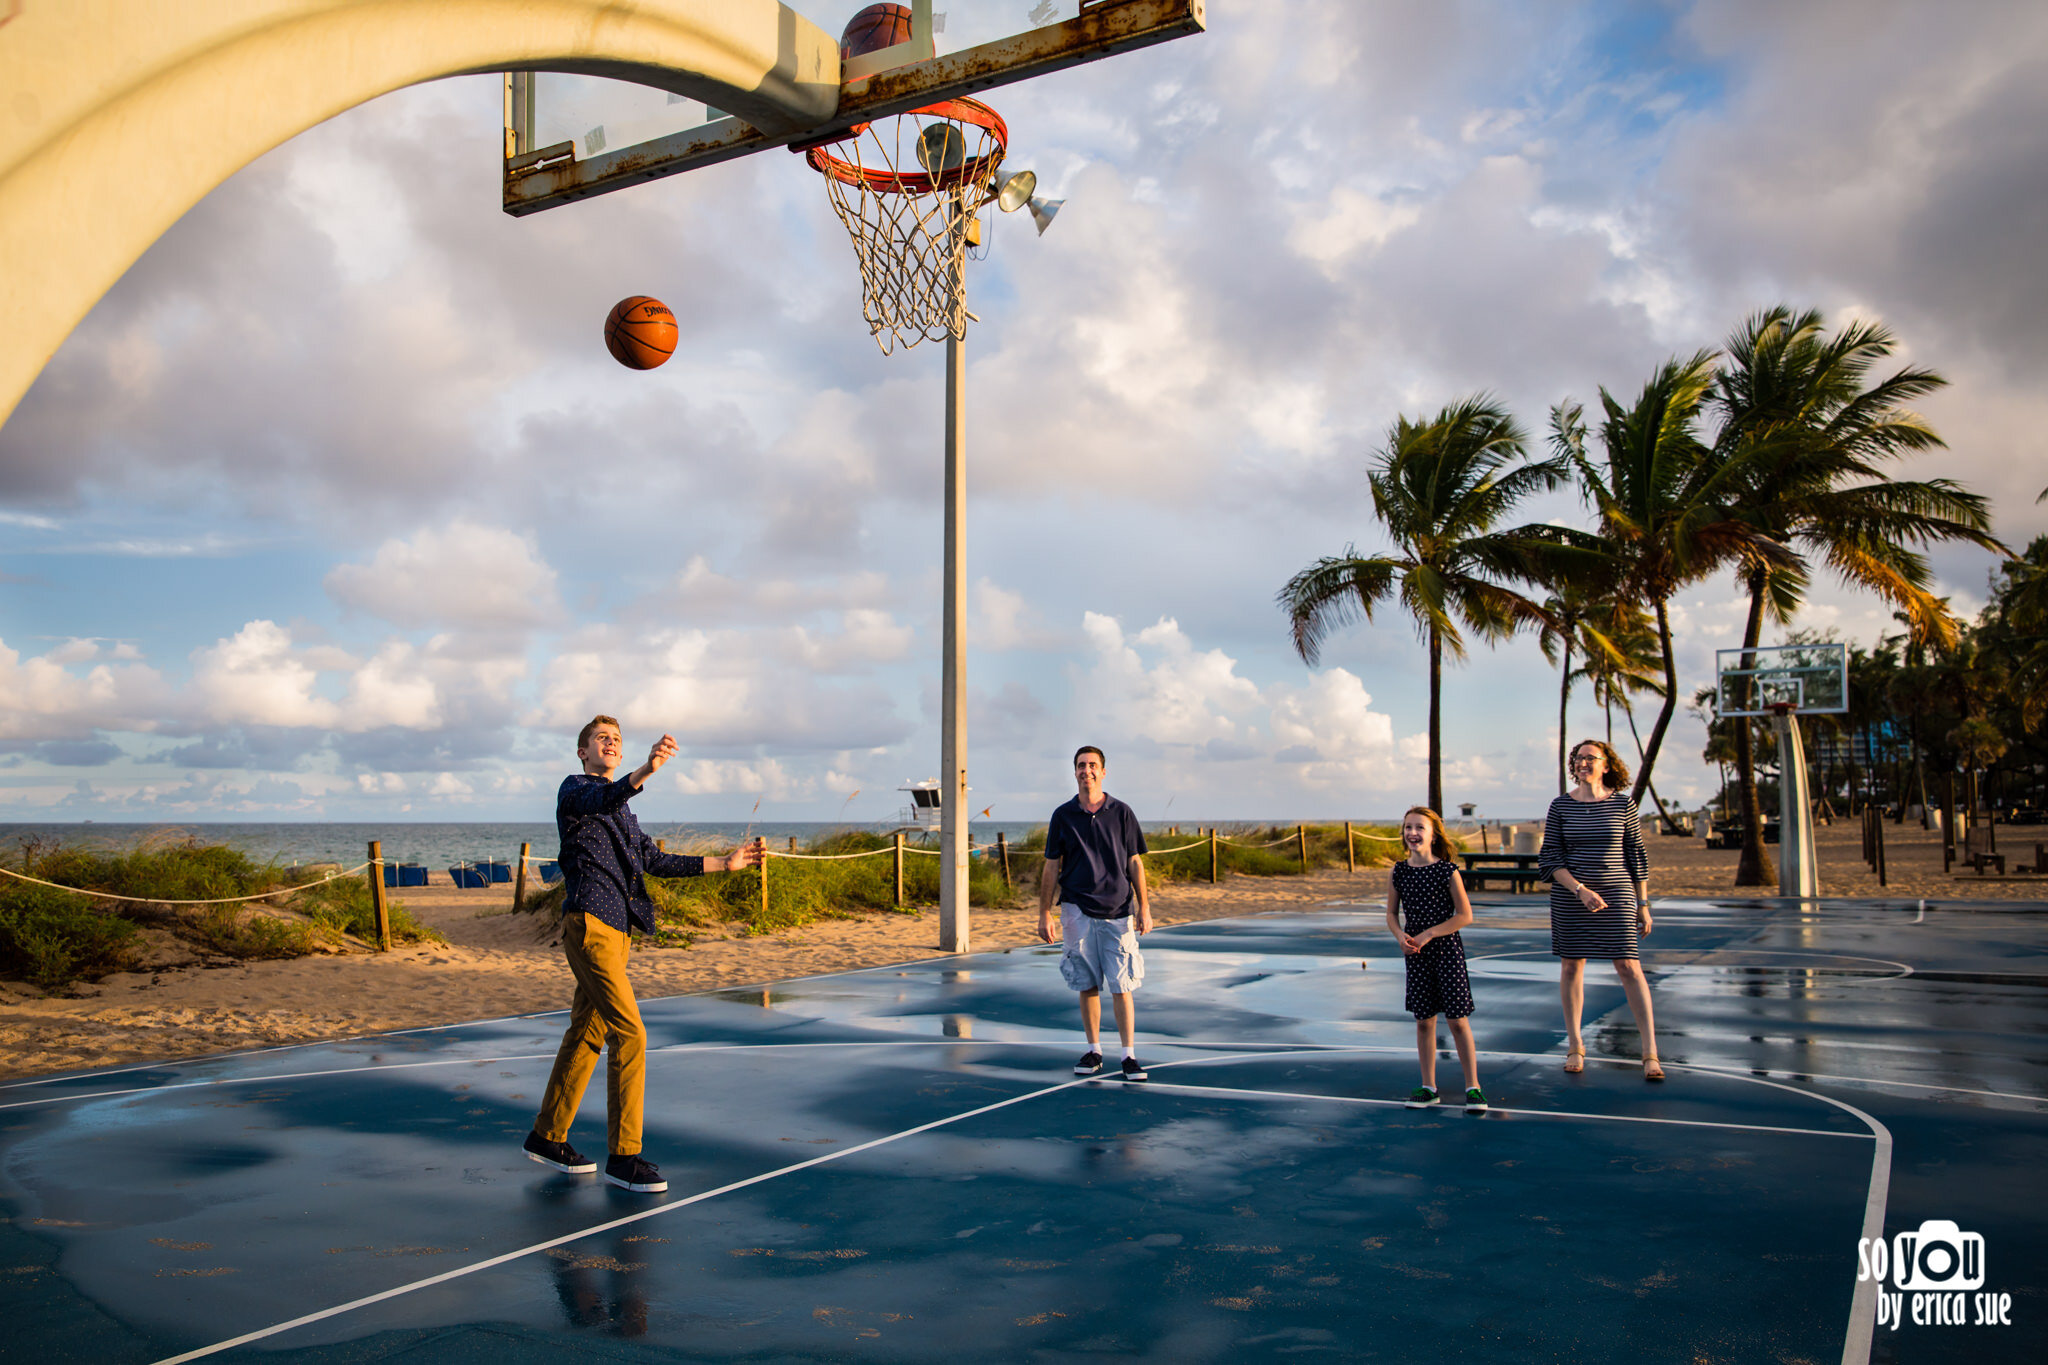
(1905, 969)
(1863, 1304)
(239, 1053)
(592, 1231)
(1871, 1081)
(1220, 1045)
(282, 1076)
(1496, 1109)
(491, 1262)
(1863, 1307)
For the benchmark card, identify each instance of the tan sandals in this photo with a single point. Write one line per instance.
(1651, 1070)
(1574, 1063)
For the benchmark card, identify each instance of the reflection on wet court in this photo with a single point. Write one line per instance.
(897, 1165)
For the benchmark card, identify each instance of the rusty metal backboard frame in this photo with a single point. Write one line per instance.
(549, 177)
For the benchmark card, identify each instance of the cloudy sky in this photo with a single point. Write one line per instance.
(335, 507)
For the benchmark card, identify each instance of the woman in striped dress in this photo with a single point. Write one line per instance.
(1599, 893)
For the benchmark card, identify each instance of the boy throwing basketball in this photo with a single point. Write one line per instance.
(1094, 861)
(605, 859)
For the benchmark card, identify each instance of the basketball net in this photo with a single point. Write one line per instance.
(907, 190)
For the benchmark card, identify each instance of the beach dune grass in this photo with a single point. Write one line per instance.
(53, 938)
(342, 906)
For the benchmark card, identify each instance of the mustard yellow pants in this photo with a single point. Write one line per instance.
(604, 1009)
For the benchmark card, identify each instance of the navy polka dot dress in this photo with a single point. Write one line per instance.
(1437, 983)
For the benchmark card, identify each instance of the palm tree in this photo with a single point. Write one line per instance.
(1914, 692)
(2021, 610)
(1581, 619)
(1664, 503)
(1439, 487)
(1980, 744)
(1633, 665)
(1811, 439)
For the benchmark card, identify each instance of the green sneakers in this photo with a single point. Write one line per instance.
(1424, 1097)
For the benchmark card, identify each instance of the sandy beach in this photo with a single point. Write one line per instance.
(497, 963)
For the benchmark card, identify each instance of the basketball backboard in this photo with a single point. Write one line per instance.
(569, 137)
(1807, 678)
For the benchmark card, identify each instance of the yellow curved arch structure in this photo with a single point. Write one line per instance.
(116, 116)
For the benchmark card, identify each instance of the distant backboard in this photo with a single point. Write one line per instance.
(1807, 678)
(569, 136)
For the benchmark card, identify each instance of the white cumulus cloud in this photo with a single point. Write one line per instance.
(463, 575)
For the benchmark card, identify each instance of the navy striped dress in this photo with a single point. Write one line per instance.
(1601, 844)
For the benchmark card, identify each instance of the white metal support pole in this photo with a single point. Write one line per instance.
(1798, 872)
(953, 914)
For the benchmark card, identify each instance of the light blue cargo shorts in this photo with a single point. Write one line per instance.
(1100, 954)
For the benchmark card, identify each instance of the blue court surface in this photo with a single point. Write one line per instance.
(897, 1165)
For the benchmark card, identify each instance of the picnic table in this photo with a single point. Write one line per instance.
(1518, 870)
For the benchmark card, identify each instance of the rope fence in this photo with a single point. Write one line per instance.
(293, 889)
(378, 866)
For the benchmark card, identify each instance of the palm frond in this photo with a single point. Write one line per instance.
(1332, 593)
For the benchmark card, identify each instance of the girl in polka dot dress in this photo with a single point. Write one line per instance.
(1427, 887)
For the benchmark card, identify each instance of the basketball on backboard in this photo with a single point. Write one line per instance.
(640, 333)
(874, 28)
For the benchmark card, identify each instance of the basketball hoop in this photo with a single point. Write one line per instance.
(908, 190)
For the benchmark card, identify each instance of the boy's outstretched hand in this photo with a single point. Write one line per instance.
(749, 854)
(664, 749)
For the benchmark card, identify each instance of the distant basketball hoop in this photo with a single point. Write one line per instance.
(1782, 682)
(1766, 678)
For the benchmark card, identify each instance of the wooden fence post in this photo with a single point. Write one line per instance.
(764, 882)
(1003, 857)
(1301, 840)
(519, 878)
(1350, 864)
(378, 909)
(1212, 855)
(899, 867)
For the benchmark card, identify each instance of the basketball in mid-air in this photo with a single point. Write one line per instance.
(640, 333)
(874, 28)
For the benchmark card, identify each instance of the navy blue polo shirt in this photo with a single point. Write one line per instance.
(605, 857)
(1095, 849)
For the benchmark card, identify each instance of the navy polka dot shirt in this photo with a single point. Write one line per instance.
(605, 857)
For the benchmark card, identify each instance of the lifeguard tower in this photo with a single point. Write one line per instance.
(925, 813)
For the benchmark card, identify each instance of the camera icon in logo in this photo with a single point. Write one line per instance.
(1940, 1256)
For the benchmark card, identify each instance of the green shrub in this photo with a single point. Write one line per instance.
(52, 939)
(343, 906)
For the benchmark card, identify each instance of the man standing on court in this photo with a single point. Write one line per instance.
(1094, 859)
(605, 859)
